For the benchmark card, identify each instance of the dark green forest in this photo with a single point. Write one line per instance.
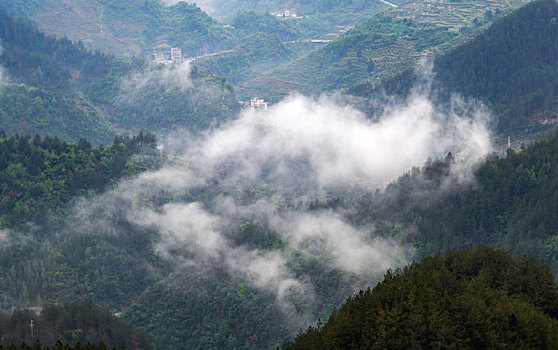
(478, 298)
(69, 246)
(130, 29)
(40, 97)
(40, 180)
(511, 67)
(78, 323)
(511, 204)
(41, 175)
(59, 88)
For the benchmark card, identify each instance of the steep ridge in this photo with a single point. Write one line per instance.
(58, 88)
(471, 299)
(511, 67)
(125, 29)
(38, 94)
(383, 46)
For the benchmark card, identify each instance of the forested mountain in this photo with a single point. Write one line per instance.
(471, 299)
(51, 253)
(243, 226)
(137, 28)
(81, 322)
(204, 310)
(383, 46)
(37, 95)
(511, 67)
(40, 179)
(40, 176)
(222, 8)
(510, 205)
(126, 29)
(256, 54)
(140, 28)
(58, 88)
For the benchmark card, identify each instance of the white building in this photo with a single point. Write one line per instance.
(176, 54)
(258, 103)
(159, 57)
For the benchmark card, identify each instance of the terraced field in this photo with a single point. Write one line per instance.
(382, 47)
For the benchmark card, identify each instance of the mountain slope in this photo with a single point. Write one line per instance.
(256, 54)
(58, 88)
(82, 322)
(510, 204)
(126, 29)
(382, 47)
(472, 299)
(39, 95)
(511, 67)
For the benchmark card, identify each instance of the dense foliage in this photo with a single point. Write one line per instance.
(512, 206)
(40, 176)
(45, 257)
(200, 306)
(471, 299)
(382, 47)
(79, 323)
(159, 102)
(38, 96)
(511, 67)
(196, 310)
(58, 88)
(256, 54)
(126, 29)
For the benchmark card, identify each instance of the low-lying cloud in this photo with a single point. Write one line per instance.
(206, 5)
(255, 167)
(175, 75)
(5, 240)
(4, 80)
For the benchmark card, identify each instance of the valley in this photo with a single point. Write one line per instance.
(278, 174)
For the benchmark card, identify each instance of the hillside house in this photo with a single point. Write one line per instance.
(176, 54)
(258, 103)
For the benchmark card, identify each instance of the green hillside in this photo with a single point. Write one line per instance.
(40, 262)
(51, 253)
(200, 247)
(126, 29)
(224, 8)
(54, 87)
(140, 28)
(382, 47)
(197, 310)
(39, 95)
(256, 54)
(82, 322)
(511, 67)
(511, 204)
(471, 299)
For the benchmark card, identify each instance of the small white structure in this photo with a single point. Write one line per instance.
(176, 54)
(159, 57)
(258, 103)
(285, 14)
